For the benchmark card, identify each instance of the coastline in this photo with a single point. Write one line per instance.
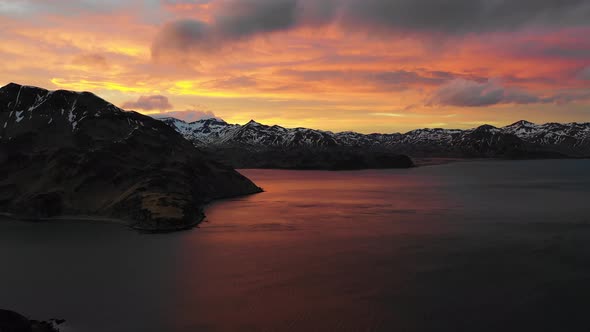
(131, 224)
(202, 217)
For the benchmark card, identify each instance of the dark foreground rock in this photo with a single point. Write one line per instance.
(325, 158)
(65, 153)
(13, 322)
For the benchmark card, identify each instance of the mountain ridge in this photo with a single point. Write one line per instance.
(522, 139)
(170, 119)
(73, 153)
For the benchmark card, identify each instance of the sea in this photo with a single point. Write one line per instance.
(465, 246)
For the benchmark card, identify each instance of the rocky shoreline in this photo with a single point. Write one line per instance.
(66, 153)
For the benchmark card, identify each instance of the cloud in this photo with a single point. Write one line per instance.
(467, 16)
(238, 19)
(91, 60)
(233, 82)
(65, 7)
(402, 78)
(466, 93)
(149, 103)
(180, 36)
(234, 19)
(188, 115)
(13, 7)
(585, 74)
(384, 80)
(568, 97)
(186, 2)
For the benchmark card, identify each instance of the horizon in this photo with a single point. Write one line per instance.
(164, 116)
(333, 65)
(294, 165)
(205, 117)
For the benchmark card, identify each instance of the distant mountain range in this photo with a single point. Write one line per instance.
(254, 144)
(65, 153)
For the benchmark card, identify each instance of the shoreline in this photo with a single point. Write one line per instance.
(130, 224)
(202, 217)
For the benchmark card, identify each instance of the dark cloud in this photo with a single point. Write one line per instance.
(567, 46)
(180, 36)
(397, 79)
(149, 103)
(568, 52)
(461, 92)
(467, 16)
(531, 79)
(62, 7)
(569, 97)
(237, 19)
(466, 93)
(188, 115)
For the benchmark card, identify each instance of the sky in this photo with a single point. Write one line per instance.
(361, 65)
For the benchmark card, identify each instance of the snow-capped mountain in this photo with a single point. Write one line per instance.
(518, 139)
(70, 153)
(203, 132)
(255, 145)
(218, 132)
(571, 138)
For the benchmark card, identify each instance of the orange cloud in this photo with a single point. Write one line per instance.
(311, 68)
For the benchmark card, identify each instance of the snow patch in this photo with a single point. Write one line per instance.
(19, 116)
(17, 98)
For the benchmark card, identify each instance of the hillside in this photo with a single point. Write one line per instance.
(65, 153)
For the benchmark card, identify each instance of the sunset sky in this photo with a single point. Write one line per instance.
(362, 65)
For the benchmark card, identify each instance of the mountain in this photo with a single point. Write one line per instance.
(255, 145)
(258, 145)
(572, 139)
(67, 153)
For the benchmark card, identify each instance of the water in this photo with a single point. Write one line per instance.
(477, 246)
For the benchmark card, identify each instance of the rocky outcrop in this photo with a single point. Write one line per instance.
(68, 153)
(11, 321)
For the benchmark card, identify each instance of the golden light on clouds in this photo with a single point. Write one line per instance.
(322, 70)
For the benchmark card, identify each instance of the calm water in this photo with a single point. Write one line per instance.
(478, 246)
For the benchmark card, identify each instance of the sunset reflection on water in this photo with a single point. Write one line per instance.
(301, 254)
(476, 246)
(369, 251)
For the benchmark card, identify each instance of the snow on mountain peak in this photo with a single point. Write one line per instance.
(213, 132)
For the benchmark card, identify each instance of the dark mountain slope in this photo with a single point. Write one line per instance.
(69, 153)
(257, 145)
